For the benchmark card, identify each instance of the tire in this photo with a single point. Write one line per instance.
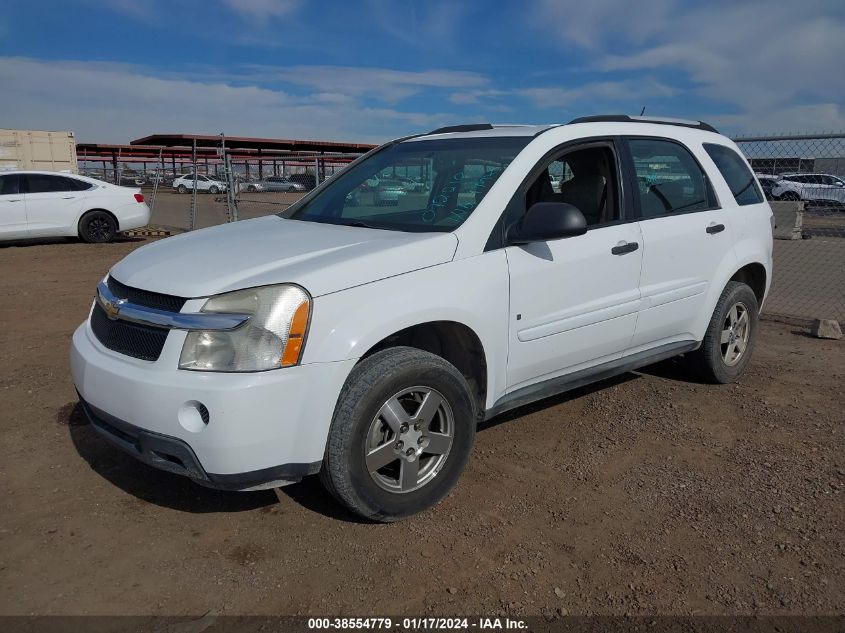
(716, 361)
(791, 196)
(291, 189)
(401, 380)
(182, 189)
(214, 190)
(251, 189)
(97, 227)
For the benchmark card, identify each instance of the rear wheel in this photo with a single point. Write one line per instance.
(731, 335)
(97, 227)
(401, 435)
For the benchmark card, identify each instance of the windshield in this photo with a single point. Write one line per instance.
(423, 186)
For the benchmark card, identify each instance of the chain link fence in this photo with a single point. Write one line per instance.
(802, 176)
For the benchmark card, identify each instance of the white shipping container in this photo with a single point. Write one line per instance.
(32, 149)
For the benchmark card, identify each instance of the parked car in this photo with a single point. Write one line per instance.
(365, 344)
(131, 180)
(389, 192)
(812, 188)
(50, 204)
(185, 183)
(273, 183)
(767, 181)
(306, 180)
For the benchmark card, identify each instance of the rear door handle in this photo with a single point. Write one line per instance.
(621, 249)
(715, 228)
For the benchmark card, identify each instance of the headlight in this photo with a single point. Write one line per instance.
(271, 338)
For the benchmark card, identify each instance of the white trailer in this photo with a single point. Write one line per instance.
(37, 150)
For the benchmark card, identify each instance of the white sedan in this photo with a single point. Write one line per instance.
(50, 204)
(185, 183)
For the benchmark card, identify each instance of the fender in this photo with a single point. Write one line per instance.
(472, 291)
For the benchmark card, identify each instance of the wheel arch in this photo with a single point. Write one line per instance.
(754, 276)
(453, 341)
(87, 211)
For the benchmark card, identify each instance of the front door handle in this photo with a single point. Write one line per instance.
(715, 228)
(69, 198)
(621, 249)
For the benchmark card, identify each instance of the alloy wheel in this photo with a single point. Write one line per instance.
(409, 439)
(736, 331)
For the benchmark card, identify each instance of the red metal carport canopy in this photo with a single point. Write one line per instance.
(250, 143)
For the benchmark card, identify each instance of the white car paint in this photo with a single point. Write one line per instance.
(811, 187)
(204, 183)
(58, 213)
(541, 310)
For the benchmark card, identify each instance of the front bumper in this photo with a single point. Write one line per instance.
(176, 456)
(261, 428)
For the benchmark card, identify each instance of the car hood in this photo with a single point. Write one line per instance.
(322, 258)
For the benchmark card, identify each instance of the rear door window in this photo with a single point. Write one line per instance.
(9, 185)
(45, 183)
(669, 179)
(736, 173)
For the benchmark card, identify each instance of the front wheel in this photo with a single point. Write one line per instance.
(97, 227)
(182, 189)
(730, 337)
(214, 190)
(401, 434)
(790, 196)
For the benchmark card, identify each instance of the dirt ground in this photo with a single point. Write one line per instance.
(649, 493)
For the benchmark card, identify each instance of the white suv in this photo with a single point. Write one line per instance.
(365, 342)
(185, 184)
(817, 188)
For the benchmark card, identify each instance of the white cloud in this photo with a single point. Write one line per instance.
(419, 24)
(385, 84)
(590, 24)
(263, 9)
(110, 102)
(604, 91)
(767, 61)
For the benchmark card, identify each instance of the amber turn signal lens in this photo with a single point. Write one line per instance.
(296, 337)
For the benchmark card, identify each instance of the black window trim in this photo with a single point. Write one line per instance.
(23, 183)
(713, 201)
(516, 205)
(755, 181)
(19, 178)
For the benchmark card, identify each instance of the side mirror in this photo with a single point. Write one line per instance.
(548, 221)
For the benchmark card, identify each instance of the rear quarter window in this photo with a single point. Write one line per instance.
(736, 173)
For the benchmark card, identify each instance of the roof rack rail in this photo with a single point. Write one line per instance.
(624, 118)
(462, 128)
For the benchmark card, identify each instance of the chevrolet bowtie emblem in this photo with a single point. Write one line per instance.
(112, 308)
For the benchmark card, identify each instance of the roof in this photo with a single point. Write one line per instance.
(245, 142)
(483, 130)
(625, 118)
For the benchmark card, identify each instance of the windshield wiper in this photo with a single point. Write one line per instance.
(359, 224)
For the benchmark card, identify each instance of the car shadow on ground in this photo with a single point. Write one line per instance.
(180, 493)
(147, 483)
(47, 241)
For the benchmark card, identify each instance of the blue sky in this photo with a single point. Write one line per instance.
(369, 70)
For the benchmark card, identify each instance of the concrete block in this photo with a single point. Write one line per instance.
(826, 328)
(789, 219)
